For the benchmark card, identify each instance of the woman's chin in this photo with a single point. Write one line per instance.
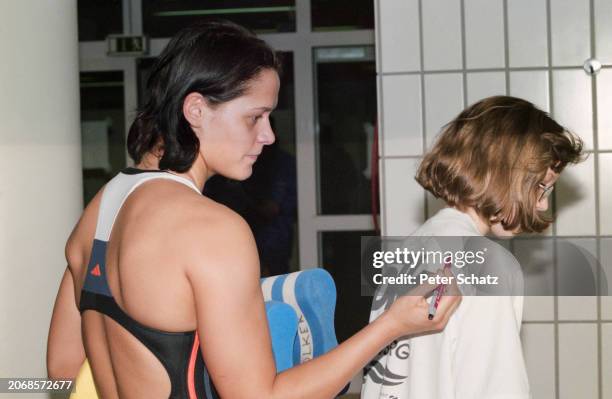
(240, 175)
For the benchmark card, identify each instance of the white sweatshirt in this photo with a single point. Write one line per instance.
(477, 356)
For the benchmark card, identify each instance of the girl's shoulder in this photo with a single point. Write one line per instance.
(448, 222)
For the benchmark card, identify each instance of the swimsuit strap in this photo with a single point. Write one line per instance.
(118, 190)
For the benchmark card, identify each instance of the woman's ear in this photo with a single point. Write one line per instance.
(194, 107)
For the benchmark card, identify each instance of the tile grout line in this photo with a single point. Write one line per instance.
(417, 156)
(500, 69)
(566, 321)
(463, 53)
(506, 46)
(595, 134)
(554, 204)
(423, 110)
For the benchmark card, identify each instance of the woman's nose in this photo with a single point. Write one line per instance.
(267, 136)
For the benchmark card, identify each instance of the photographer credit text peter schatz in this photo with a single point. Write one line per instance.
(412, 259)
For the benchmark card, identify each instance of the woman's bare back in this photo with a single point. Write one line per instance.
(145, 274)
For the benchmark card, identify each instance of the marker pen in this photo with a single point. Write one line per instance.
(438, 292)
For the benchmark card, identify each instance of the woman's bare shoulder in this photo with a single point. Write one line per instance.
(206, 218)
(212, 233)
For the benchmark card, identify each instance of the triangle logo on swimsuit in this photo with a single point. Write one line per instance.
(96, 271)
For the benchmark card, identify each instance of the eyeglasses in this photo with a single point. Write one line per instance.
(546, 190)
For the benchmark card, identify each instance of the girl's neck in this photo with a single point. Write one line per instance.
(483, 227)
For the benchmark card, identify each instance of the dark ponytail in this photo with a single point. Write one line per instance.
(216, 59)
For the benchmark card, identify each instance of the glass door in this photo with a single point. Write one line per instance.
(102, 128)
(347, 196)
(108, 103)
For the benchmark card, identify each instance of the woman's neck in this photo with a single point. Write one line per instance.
(198, 173)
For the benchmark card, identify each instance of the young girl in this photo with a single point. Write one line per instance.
(495, 166)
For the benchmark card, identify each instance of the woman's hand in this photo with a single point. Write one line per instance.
(410, 312)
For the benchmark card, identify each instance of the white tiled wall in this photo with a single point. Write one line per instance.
(485, 84)
(403, 203)
(484, 37)
(578, 361)
(606, 279)
(605, 193)
(539, 351)
(443, 101)
(606, 354)
(571, 39)
(402, 131)
(575, 194)
(603, 30)
(467, 56)
(576, 307)
(527, 33)
(441, 34)
(572, 103)
(399, 36)
(532, 86)
(604, 105)
(433, 205)
(534, 256)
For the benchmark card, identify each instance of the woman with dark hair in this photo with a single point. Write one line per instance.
(167, 300)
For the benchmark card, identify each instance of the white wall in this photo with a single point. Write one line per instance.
(40, 160)
(434, 58)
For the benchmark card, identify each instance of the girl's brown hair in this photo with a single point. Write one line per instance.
(493, 156)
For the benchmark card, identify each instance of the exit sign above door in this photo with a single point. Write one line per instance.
(127, 45)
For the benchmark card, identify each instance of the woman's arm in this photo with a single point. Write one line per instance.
(65, 351)
(224, 274)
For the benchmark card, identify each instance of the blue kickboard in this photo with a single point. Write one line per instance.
(283, 323)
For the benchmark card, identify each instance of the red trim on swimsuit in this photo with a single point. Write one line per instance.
(191, 370)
